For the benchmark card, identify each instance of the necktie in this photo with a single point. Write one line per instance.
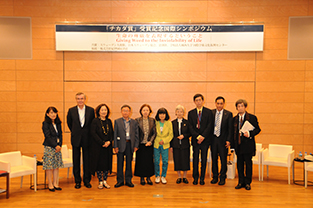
(199, 119)
(218, 125)
(240, 124)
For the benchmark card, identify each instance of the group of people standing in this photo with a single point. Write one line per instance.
(151, 138)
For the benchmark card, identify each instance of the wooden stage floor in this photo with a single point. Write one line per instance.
(272, 192)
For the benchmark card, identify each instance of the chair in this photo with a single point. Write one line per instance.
(209, 160)
(278, 155)
(18, 165)
(308, 166)
(67, 159)
(257, 159)
(7, 175)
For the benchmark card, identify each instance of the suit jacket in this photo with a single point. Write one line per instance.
(206, 125)
(247, 145)
(184, 131)
(120, 134)
(166, 136)
(51, 135)
(80, 135)
(226, 131)
(152, 130)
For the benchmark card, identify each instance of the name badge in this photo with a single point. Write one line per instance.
(197, 126)
(118, 138)
(127, 134)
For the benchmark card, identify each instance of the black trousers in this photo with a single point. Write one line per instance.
(203, 150)
(77, 165)
(244, 174)
(218, 148)
(120, 164)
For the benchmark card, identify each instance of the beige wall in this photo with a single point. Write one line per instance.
(279, 92)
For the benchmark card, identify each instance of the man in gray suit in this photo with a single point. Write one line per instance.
(126, 141)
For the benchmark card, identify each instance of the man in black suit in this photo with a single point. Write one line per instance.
(79, 119)
(201, 125)
(126, 142)
(221, 139)
(244, 143)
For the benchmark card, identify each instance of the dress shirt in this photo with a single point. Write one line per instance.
(127, 128)
(179, 125)
(220, 114)
(243, 118)
(81, 113)
(201, 109)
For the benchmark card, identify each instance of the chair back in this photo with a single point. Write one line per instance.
(279, 150)
(258, 147)
(14, 158)
(64, 151)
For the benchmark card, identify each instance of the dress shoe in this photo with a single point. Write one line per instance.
(119, 184)
(178, 181)
(51, 189)
(142, 181)
(78, 186)
(185, 181)
(214, 181)
(248, 187)
(129, 184)
(88, 185)
(149, 181)
(58, 188)
(202, 182)
(222, 182)
(195, 182)
(239, 186)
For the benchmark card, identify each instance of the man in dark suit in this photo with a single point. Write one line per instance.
(126, 142)
(79, 119)
(244, 143)
(222, 136)
(201, 125)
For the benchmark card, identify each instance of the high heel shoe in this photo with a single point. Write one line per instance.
(53, 190)
(106, 185)
(149, 181)
(142, 181)
(58, 188)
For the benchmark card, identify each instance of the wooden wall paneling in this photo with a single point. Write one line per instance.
(281, 65)
(159, 11)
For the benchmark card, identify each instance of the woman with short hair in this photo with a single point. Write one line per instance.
(162, 144)
(144, 167)
(180, 144)
(101, 145)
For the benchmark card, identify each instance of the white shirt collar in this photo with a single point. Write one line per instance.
(243, 116)
(220, 111)
(81, 109)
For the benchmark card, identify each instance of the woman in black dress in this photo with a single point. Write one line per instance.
(180, 144)
(144, 166)
(101, 145)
